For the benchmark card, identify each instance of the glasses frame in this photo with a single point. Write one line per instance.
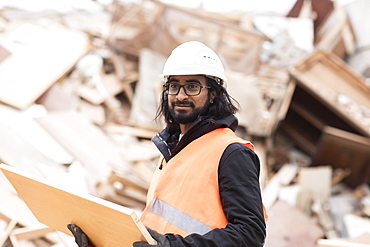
(167, 88)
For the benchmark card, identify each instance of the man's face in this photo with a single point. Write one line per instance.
(185, 109)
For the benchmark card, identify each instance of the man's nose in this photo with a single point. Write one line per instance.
(181, 95)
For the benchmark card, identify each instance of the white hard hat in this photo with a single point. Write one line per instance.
(194, 58)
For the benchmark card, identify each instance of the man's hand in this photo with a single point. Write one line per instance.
(162, 240)
(81, 238)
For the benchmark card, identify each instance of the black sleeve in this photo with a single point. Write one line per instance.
(241, 199)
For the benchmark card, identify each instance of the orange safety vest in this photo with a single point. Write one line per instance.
(184, 197)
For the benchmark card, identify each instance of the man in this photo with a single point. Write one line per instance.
(205, 190)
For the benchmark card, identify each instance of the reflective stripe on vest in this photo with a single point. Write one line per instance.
(184, 197)
(178, 218)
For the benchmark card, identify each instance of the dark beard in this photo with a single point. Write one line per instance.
(181, 117)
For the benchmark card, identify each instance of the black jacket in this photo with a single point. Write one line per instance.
(239, 188)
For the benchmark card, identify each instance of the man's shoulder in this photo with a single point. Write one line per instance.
(237, 154)
(237, 146)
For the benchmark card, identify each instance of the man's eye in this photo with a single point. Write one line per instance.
(193, 86)
(174, 86)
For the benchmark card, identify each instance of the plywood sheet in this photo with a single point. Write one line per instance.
(45, 56)
(105, 223)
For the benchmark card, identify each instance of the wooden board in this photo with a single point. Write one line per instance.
(244, 89)
(339, 243)
(90, 145)
(44, 56)
(10, 225)
(147, 91)
(21, 130)
(105, 223)
(314, 183)
(270, 192)
(342, 149)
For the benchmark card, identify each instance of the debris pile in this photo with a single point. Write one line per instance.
(79, 93)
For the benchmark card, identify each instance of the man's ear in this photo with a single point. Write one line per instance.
(213, 96)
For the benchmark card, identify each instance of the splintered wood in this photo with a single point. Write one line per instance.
(56, 48)
(80, 90)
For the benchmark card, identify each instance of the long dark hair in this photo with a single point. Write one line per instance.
(223, 104)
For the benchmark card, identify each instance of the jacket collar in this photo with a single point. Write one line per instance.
(169, 144)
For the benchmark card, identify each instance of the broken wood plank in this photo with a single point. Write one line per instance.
(128, 180)
(31, 233)
(283, 177)
(338, 243)
(109, 193)
(144, 133)
(23, 124)
(315, 184)
(56, 99)
(342, 149)
(144, 170)
(115, 112)
(147, 92)
(94, 113)
(44, 43)
(336, 34)
(90, 92)
(325, 218)
(243, 88)
(96, 151)
(10, 225)
(17, 152)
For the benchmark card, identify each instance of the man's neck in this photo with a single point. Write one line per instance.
(184, 127)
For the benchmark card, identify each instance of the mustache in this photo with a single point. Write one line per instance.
(183, 103)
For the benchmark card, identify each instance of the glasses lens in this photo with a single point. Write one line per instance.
(173, 88)
(192, 89)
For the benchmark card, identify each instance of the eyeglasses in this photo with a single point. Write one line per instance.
(190, 89)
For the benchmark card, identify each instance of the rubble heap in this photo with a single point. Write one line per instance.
(79, 93)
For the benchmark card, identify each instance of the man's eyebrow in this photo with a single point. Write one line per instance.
(193, 80)
(190, 80)
(173, 79)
